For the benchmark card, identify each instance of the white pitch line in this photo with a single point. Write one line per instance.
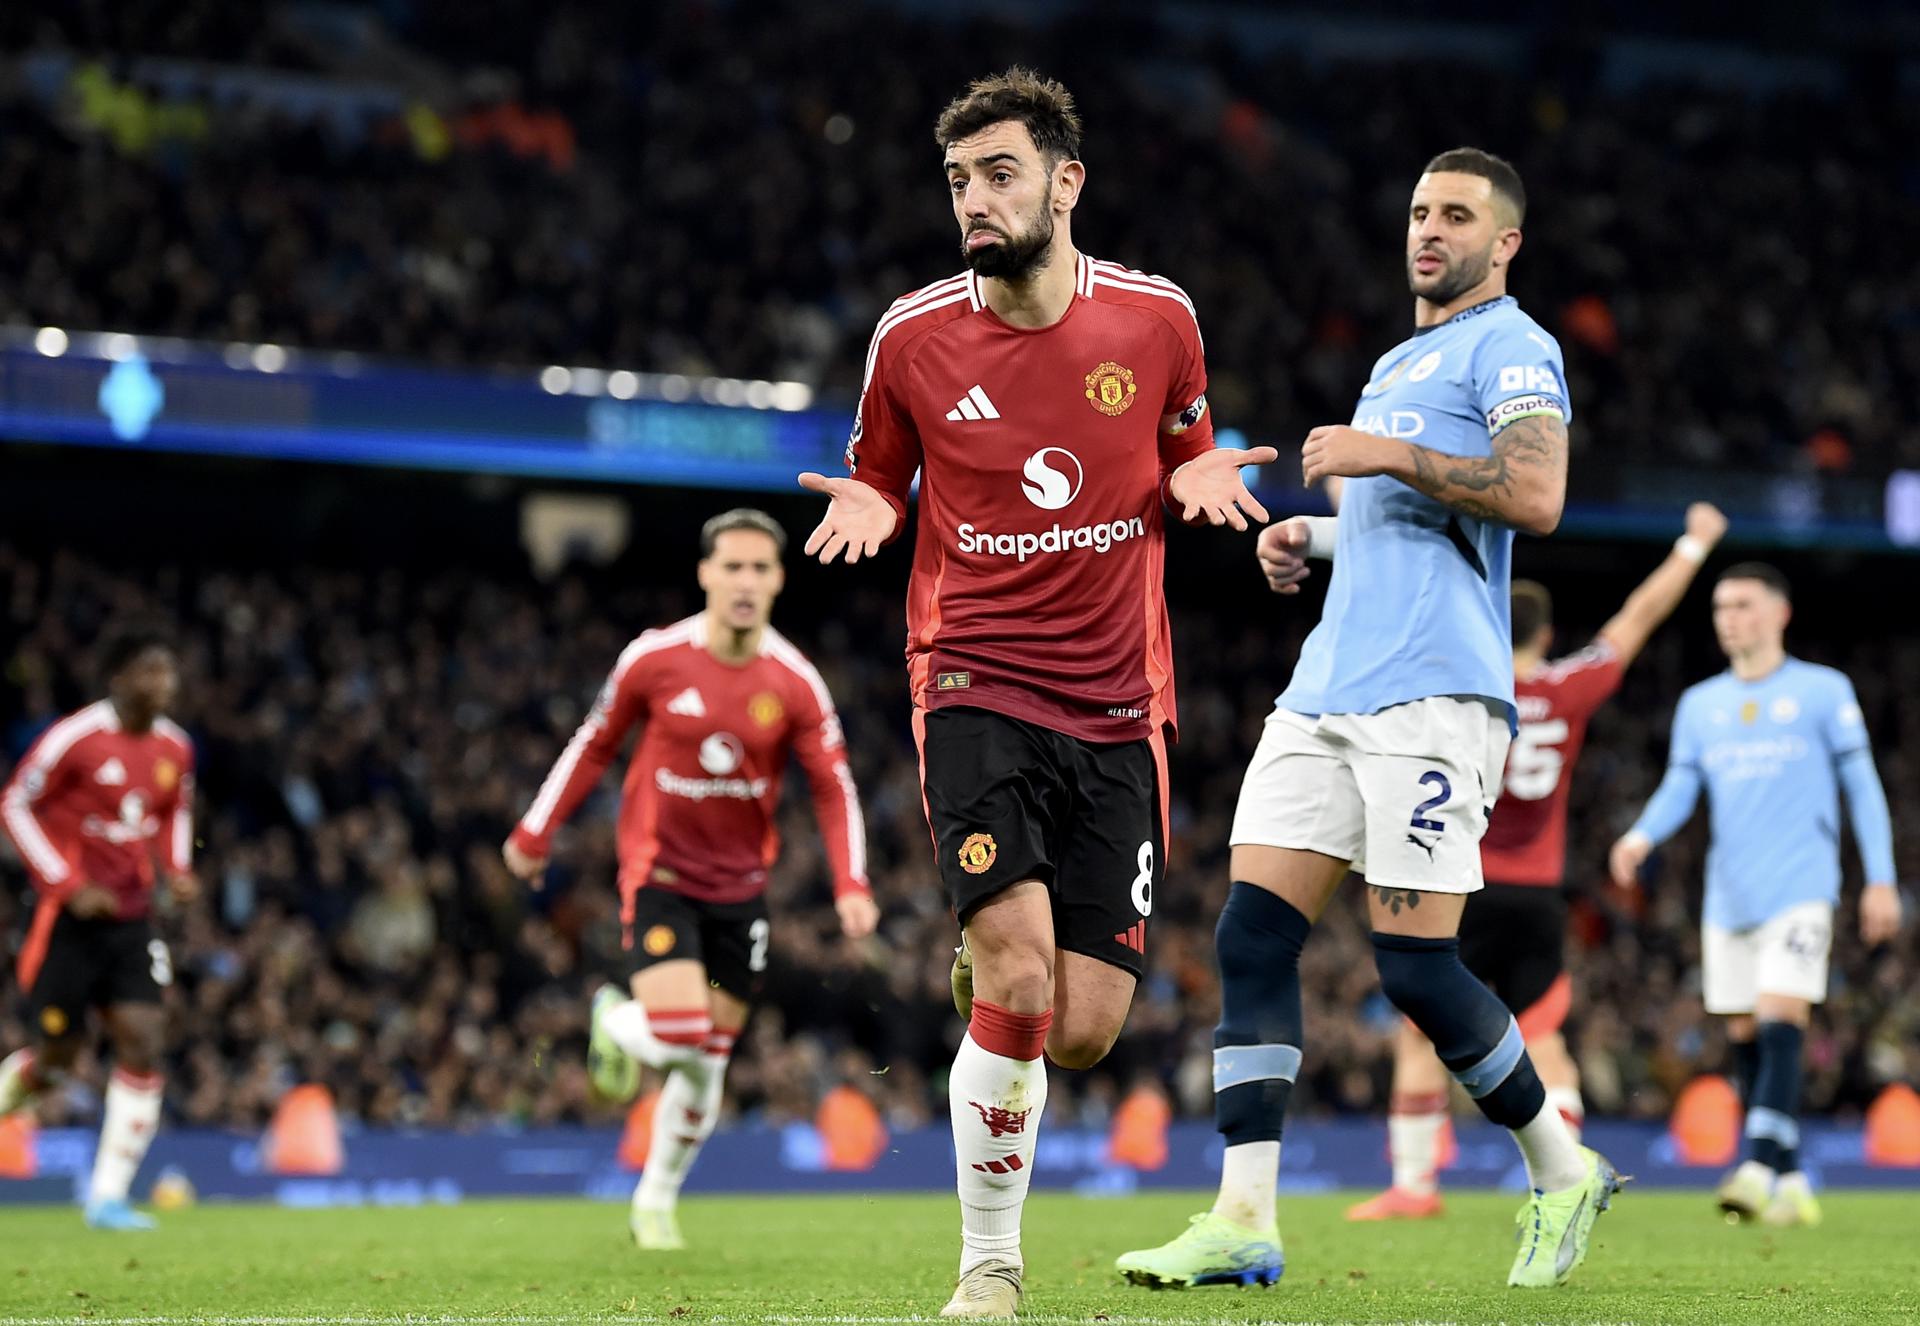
(398, 1319)
(429, 1319)
(1120, 1319)
(1082, 1318)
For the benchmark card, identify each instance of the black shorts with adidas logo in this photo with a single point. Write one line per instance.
(1009, 800)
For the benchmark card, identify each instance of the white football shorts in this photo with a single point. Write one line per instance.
(1403, 794)
(1783, 955)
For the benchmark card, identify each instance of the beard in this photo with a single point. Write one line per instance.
(1454, 280)
(1015, 257)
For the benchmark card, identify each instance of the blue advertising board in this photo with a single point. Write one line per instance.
(413, 1168)
(263, 401)
(160, 394)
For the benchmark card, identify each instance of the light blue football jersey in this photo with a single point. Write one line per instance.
(1767, 752)
(1418, 604)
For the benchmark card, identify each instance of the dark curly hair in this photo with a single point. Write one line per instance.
(1043, 105)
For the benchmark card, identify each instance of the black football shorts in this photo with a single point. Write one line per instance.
(1009, 800)
(1513, 937)
(729, 939)
(95, 963)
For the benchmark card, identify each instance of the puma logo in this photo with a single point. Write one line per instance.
(1569, 1249)
(1425, 847)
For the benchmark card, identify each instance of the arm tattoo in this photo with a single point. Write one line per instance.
(1526, 453)
(1394, 899)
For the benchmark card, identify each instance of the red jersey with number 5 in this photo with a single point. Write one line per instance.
(1526, 840)
(1044, 455)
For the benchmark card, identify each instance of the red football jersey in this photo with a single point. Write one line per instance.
(1043, 457)
(1526, 840)
(92, 803)
(697, 808)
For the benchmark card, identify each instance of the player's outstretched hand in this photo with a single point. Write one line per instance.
(1282, 550)
(92, 900)
(1707, 523)
(859, 914)
(1210, 485)
(1337, 451)
(532, 869)
(1626, 858)
(1879, 914)
(858, 519)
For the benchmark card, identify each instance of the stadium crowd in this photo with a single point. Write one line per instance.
(684, 187)
(367, 738)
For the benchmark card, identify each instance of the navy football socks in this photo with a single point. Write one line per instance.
(1773, 1112)
(1471, 1030)
(1256, 1047)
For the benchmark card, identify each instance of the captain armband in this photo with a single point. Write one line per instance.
(1523, 407)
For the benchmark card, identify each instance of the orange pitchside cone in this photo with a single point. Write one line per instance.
(853, 1136)
(18, 1158)
(304, 1137)
(1893, 1127)
(637, 1136)
(1138, 1139)
(1706, 1122)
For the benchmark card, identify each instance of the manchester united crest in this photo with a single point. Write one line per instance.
(1110, 388)
(766, 709)
(977, 853)
(165, 774)
(659, 941)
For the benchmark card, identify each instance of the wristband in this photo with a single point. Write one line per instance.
(1322, 534)
(1690, 548)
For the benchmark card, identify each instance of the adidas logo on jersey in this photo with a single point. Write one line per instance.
(111, 774)
(688, 704)
(974, 405)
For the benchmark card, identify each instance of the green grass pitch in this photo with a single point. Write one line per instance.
(1658, 1257)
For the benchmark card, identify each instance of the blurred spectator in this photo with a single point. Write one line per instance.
(682, 187)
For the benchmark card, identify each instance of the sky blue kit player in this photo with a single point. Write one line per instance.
(1385, 753)
(1772, 756)
(1772, 741)
(1419, 600)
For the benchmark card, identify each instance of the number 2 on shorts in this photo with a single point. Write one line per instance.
(1432, 778)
